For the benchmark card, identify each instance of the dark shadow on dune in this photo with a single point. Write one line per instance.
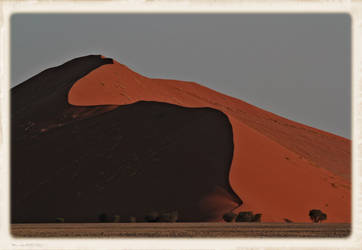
(137, 158)
(77, 162)
(42, 99)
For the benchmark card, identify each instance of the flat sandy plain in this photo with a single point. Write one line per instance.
(211, 230)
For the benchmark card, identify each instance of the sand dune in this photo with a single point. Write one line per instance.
(93, 136)
(77, 162)
(280, 168)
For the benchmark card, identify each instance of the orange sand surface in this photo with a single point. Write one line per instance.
(280, 168)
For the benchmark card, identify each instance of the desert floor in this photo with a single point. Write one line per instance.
(211, 230)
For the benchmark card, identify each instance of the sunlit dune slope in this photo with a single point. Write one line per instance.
(280, 168)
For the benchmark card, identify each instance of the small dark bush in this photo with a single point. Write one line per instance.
(229, 217)
(168, 217)
(257, 218)
(174, 216)
(59, 220)
(165, 217)
(317, 215)
(132, 219)
(245, 217)
(152, 217)
(103, 217)
(116, 218)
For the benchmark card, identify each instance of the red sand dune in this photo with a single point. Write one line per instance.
(76, 162)
(280, 168)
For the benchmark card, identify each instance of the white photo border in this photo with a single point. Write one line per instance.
(353, 8)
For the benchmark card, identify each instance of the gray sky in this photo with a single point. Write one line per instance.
(297, 66)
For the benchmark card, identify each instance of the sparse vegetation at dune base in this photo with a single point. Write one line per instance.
(153, 216)
(316, 215)
(247, 216)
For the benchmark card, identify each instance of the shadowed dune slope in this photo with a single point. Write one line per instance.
(41, 101)
(76, 162)
(135, 159)
(280, 168)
